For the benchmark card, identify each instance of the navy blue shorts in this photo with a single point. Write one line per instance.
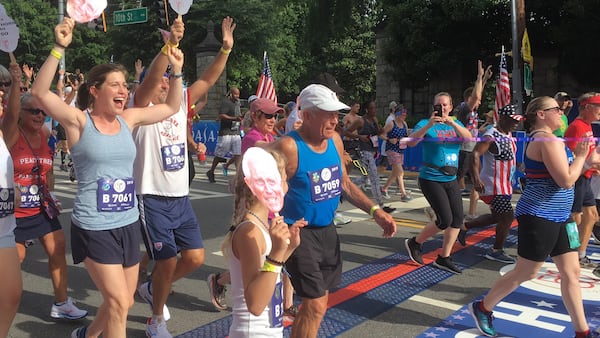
(34, 227)
(114, 246)
(316, 265)
(584, 197)
(169, 225)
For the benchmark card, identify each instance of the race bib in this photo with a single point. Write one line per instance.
(7, 202)
(30, 196)
(451, 160)
(173, 156)
(276, 308)
(325, 183)
(115, 194)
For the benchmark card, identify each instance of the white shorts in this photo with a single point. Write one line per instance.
(228, 144)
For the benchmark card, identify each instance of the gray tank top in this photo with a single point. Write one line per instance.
(104, 169)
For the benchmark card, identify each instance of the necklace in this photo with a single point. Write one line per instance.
(259, 219)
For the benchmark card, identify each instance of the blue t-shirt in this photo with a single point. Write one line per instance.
(440, 148)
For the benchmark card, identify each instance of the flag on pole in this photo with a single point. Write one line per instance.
(266, 88)
(502, 87)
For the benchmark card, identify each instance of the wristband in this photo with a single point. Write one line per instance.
(268, 267)
(56, 54)
(271, 260)
(176, 75)
(165, 49)
(59, 45)
(373, 209)
(225, 51)
(169, 43)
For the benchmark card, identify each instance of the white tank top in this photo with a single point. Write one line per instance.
(161, 163)
(7, 191)
(244, 324)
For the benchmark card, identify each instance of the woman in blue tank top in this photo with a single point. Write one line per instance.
(545, 227)
(105, 233)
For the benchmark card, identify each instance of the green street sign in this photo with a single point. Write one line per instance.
(130, 16)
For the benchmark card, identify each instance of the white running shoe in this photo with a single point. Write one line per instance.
(67, 310)
(146, 294)
(154, 329)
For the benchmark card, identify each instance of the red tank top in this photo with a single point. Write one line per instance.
(29, 165)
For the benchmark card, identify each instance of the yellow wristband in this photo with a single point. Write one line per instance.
(268, 267)
(56, 54)
(225, 51)
(373, 209)
(169, 43)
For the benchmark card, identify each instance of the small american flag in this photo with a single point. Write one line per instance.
(502, 87)
(266, 88)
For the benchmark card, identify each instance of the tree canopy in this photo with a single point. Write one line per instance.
(306, 37)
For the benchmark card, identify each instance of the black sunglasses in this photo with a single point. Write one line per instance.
(35, 111)
(269, 116)
(5, 84)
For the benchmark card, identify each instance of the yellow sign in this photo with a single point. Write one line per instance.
(526, 49)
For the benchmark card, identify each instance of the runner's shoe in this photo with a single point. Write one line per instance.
(388, 209)
(596, 271)
(445, 263)
(406, 197)
(415, 250)
(146, 293)
(211, 176)
(385, 194)
(79, 332)
(596, 234)
(499, 256)
(483, 320)
(586, 263)
(217, 292)
(67, 310)
(155, 329)
(340, 219)
(592, 334)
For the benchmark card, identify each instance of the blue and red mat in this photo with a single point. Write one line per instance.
(374, 288)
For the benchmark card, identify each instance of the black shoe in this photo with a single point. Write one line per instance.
(387, 209)
(445, 263)
(462, 237)
(414, 249)
(211, 176)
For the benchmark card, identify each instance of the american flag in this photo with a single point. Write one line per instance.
(266, 88)
(502, 87)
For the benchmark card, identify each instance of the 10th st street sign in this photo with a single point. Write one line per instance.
(130, 16)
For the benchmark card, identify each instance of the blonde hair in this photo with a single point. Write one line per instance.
(535, 105)
(244, 199)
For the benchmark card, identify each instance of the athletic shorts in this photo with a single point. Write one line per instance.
(7, 241)
(584, 197)
(499, 204)
(315, 267)
(34, 227)
(169, 225)
(228, 144)
(114, 246)
(465, 161)
(539, 237)
(395, 157)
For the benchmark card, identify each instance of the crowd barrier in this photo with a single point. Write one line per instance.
(208, 131)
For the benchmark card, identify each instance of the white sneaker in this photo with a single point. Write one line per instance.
(154, 329)
(385, 194)
(67, 310)
(146, 294)
(340, 219)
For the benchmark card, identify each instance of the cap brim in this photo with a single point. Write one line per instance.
(517, 117)
(333, 106)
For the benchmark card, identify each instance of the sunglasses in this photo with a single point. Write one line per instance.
(5, 84)
(269, 116)
(24, 89)
(35, 111)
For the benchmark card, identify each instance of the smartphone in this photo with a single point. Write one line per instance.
(437, 108)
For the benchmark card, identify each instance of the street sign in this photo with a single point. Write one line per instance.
(130, 16)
